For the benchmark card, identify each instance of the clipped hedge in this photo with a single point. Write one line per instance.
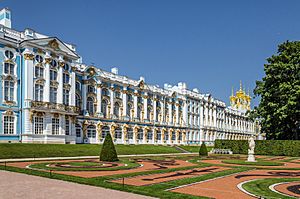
(108, 150)
(203, 150)
(262, 147)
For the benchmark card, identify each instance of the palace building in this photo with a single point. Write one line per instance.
(50, 96)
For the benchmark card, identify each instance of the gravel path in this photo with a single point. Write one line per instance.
(17, 185)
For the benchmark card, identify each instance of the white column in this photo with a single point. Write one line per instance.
(185, 112)
(146, 107)
(154, 110)
(124, 101)
(73, 88)
(60, 85)
(135, 103)
(99, 99)
(111, 101)
(177, 112)
(47, 80)
(170, 111)
(84, 97)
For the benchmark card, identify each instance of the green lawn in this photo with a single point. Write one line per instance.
(195, 149)
(70, 150)
(258, 163)
(156, 190)
(260, 187)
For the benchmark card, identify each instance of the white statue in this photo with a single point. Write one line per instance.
(251, 157)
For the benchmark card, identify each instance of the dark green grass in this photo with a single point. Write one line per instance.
(130, 165)
(258, 163)
(157, 190)
(260, 187)
(71, 150)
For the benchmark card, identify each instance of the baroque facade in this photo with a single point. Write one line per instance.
(50, 96)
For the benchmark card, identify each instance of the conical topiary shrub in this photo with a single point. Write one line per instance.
(203, 150)
(108, 151)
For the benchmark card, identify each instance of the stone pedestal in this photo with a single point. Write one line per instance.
(251, 158)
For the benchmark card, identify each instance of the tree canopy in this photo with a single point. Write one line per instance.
(279, 109)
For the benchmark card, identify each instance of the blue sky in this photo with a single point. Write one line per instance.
(211, 45)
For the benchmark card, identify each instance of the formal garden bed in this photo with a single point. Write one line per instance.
(257, 163)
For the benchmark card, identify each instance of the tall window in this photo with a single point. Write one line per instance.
(66, 96)
(53, 75)
(66, 67)
(117, 109)
(139, 112)
(53, 63)
(91, 131)
(118, 133)
(90, 105)
(130, 133)
(66, 78)
(91, 89)
(77, 100)
(55, 126)
(158, 135)
(105, 131)
(105, 92)
(53, 94)
(150, 135)
(78, 86)
(9, 124)
(129, 107)
(104, 108)
(39, 89)
(9, 54)
(38, 125)
(166, 136)
(117, 94)
(67, 130)
(140, 134)
(78, 130)
(9, 68)
(39, 71)
(9, 90)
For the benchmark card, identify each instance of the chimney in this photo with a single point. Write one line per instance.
(115, 71)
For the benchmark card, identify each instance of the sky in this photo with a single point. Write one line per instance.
(211, 45)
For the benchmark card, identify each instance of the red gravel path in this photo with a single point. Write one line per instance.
(226, 187)
(283, 188)
(164, 177)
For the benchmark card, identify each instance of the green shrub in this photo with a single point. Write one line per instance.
(262, 147)
(108, 151)
(203, 150)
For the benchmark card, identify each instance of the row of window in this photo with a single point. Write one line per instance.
(38, 126)
(39, 94)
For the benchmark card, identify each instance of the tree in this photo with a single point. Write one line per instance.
(279, 109)
(203, 150)
(108, 151)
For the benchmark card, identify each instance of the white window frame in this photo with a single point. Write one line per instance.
(55, 126)
(14, 124)
(38, 125)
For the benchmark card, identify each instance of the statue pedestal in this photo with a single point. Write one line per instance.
(251, 158)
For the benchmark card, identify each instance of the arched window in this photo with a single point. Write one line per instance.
(128, 111)
(139, 112)
(158, 135)
(66, 67)
(117, 109)
(150, 135)
(130, 133)
(53, 94)
(91, 89)
(140, 134)
(9, 68)
(91, 131)
(173, 136)
(180, 136)
(90, 105)
(149, 110)
(118, 94)
(66, 78)
(39, 92)
(105, 92)
(78, 86)
(9, 87)
(104, 107)
(66, 96)
(118, 133)
(53, 75)
(9, 54)
(105, 131)
(129, 98)
(166, 136)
